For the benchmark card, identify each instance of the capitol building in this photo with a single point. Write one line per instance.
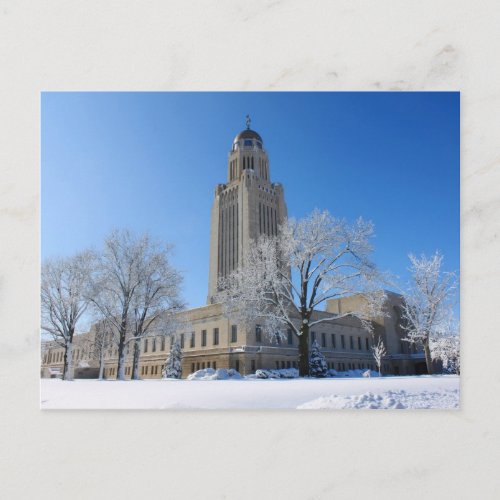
(247, 205)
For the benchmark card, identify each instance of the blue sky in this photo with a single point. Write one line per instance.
(150, 162)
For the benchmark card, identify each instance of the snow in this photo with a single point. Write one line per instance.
(211, 374)
(388, 400)
(438, 391)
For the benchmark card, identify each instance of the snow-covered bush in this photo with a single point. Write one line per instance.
(317, 363)
(283, 373)
(211, 374)
(173, 366)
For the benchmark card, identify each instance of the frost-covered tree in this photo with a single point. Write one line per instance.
(156, 301)
(428, 302)
(445, 347)
(284, 278)
(173, 366)
(317, 363)
(378, 351)
(135, 284)
(64, 300)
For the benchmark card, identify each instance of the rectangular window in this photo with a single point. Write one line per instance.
(145, 345)
(359, 343)
(277, 365)
(163, 343)
(277, 338)
(234, 333)
(215, 365)
(253, 364)
(258, 334)
(367, 344)
(334, 341)
(323, 340)
(313, 337)
(146, 370)
(182, 341)
(282, 365)
(154, 345)
(216, 336)
(203, 338)
(208, 364)
(192, 367)
(192, 341)
(351, 342)
(198, 365)
(289, 336)
(342, 341)
(288, 364)
(203, 365)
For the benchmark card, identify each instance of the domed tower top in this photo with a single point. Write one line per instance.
(247, 137)
(248, 154)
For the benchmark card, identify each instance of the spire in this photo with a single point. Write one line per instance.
(248, 121)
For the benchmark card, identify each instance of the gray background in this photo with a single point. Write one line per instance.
(234, 45)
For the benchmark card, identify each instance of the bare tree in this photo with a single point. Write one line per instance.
(428, 302)
(105, 338)
(135, 287)
(157, 299)
(285, 278)
(116, 284)
(64, 299)
(378, 350)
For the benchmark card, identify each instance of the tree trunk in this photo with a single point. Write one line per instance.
(135, 362)
(304, 350)
(120, 371)
(68, 357)
(101, 364)
(428, 357)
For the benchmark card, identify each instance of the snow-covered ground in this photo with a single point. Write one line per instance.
(441, 392)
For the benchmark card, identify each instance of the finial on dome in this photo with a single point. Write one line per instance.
(248, 121)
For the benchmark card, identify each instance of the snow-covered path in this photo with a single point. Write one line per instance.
(391, 392)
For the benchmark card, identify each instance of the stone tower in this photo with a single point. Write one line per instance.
(248, 205)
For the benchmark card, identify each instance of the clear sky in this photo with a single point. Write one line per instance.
(150, 162)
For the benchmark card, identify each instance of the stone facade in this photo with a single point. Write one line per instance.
(248, 205)
(244, 208)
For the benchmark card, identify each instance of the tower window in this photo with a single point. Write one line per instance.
(248, 142)
(234, 333)
(259, 145)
